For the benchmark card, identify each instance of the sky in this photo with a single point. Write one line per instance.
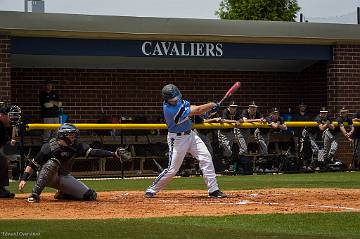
(338, 11)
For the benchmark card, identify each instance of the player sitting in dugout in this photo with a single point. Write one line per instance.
(55, 161)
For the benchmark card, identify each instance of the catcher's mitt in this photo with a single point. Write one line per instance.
(123, 154)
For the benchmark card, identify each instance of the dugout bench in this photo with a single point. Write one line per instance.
(147, 151)
(149, 154)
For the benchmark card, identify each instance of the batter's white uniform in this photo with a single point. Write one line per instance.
(181, 140)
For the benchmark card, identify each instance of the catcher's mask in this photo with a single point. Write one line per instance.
(65, 131)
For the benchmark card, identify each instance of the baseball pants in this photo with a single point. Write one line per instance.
(226, 140)
(242, 136)
(206, 139)
(263, 140)
(179, 145)
(49, 176)
(69, 185)
(314, 146)
(330, 144)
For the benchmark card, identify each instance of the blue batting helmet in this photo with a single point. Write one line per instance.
(170, 91)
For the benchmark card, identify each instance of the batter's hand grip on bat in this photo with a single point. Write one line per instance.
(215, 109)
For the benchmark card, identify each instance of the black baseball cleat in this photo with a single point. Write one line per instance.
(59, 195)
(4, 193)
(34, 198)
(149, 195)
(63, 196)
(217, 194)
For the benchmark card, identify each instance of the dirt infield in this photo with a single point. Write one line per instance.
(132, 204)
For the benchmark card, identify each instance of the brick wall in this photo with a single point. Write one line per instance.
(137, 92)
(344, 85)
(344, 78)
(5, 69)
(314, 86)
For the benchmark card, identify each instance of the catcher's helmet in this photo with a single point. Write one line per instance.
(170, 91)
(64, 131)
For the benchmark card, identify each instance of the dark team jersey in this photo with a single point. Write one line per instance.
(5, 133)
(46, 97)
(246, 114)
(235, 116)
(324, 120)
(269, 120)
(65, 155)
(228, 116)
(300, 117)
(199, 119)
(341, 120)
(304, 117)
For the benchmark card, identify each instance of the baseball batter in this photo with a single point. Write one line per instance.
(55, 161)
(181, 139)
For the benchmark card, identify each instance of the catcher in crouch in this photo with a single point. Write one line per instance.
(55, 161)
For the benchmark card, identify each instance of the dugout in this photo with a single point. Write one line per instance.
(117, 65)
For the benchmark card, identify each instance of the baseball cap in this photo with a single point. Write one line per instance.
(343, 110)
(233, 104)
(252, 104)
(275, 110)
(323, 110)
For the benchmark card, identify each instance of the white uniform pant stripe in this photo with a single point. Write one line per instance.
(171, 150)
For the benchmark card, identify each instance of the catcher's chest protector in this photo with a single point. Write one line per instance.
(61, 153)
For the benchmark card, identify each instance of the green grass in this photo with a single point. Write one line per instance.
(281, 226)
(314, 180)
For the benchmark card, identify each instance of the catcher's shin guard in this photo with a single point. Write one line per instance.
(49, 169)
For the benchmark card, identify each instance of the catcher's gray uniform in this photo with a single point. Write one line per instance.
(56, 162)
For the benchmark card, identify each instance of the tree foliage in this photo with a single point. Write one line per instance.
(270, 10)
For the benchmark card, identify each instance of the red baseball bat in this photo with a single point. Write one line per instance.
(233, 88)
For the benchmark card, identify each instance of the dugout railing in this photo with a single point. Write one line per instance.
(141, 163)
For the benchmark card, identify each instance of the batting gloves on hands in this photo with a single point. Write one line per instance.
(216, 108)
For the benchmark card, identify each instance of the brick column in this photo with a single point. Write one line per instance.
(5, 82)
(343, 87)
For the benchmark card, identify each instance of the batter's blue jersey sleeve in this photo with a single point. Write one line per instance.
(177, 116)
